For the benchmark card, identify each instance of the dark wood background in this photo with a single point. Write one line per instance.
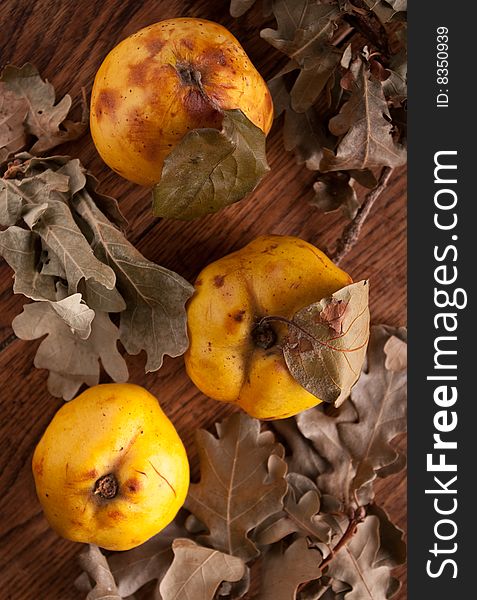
(67, 40)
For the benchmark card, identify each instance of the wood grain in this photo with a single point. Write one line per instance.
(67, 41)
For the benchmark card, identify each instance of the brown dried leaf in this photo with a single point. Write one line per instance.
(54, 222)
(306, 134)
(148, 562)
(242, 483)
(154, 319)
(395, 350)
(335, 190)
(365, 124)
(355, 439)
(70, 352)
(21, 249)
(45, 120)
(300, 514)
(283, 570)
(303, 28)
(197, 572)
(13, 111)
(356, 564)
(325, 363)
(311, 81)
(301, 456)
(97, 569)
(392, 549)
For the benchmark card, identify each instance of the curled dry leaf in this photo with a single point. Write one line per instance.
(34, 98)
(196, 572)
(303, 28)
(324, 362)
(148, 562)
(96, 570)
(356, 564)
(71, 358)
(301, 456)
(284, 569)
(335, 190)
(355, 439)
(336, 118)
(300, 514)
(365, 126)
(210, 169)
(55, 223)
(242, 483)
(58, 237)
(13, 111)
(154, 317)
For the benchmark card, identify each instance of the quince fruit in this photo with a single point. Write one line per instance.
(110, 468)
(232, 357)
(165, 80)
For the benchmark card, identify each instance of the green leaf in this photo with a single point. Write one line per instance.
(326, 345)
(210, 169)
(43, 118)
(154, 319)
(197, 572)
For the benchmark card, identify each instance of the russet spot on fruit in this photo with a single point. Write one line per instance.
(110, 468)
(165, 80)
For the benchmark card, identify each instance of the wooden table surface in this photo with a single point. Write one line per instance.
(67, 40)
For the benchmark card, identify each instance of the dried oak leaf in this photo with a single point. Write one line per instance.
(356, 564)
(301, 456)
(386, 10)
(197, 572)
(45, 193)
(324, 362)
(74, 345)
(242, 483)
(44, 120)
(392, 548)
(210, 169)
(300, 514)
(148, 562)
(21, 249)
(303, 28)
(355, 439)
(154, 319)
(311, 81)
(97, 572)
(13, 111)
(365, 126)
(283, 570)
(335, 190)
